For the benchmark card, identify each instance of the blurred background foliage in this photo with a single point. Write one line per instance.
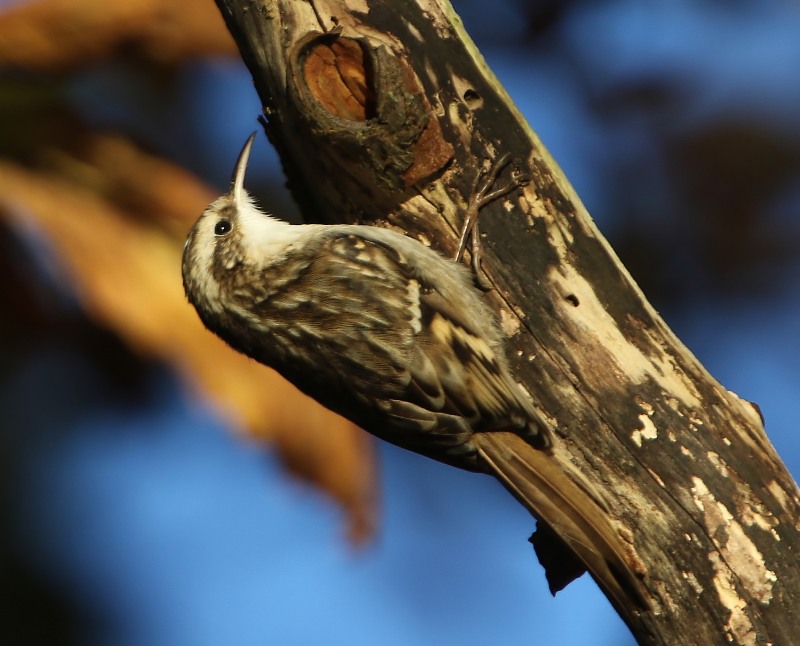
(130, 515)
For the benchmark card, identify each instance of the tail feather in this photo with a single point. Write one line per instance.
(559, 497)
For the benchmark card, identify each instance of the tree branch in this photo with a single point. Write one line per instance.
(385, 113)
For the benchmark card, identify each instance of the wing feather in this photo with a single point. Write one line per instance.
(363, 316)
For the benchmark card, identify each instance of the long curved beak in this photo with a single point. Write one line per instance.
(237, 181)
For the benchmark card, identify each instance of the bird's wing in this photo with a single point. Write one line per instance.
(359, 314)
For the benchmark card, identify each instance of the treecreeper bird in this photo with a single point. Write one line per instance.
(388, 333)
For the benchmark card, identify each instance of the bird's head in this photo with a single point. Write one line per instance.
(232, 234)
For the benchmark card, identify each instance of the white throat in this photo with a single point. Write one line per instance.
(262, 236)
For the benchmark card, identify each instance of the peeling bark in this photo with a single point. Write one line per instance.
(385, 113)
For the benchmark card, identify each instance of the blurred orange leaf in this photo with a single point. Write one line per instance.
(116, 217)
(59, 35)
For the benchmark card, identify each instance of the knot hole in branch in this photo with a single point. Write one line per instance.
(338, 75)
(367, 104)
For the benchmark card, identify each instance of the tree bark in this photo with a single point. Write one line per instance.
(385, 113)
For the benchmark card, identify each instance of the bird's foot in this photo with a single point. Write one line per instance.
(483, 193)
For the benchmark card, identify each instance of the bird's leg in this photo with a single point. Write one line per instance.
(481, 196)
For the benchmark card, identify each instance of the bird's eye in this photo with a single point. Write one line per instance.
(222, 227)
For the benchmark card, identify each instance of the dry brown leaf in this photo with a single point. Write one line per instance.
(59, 35)
(126, 273)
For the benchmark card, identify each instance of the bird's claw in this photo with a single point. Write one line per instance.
(483, 194)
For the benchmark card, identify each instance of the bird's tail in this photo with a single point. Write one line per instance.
(564, 501)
